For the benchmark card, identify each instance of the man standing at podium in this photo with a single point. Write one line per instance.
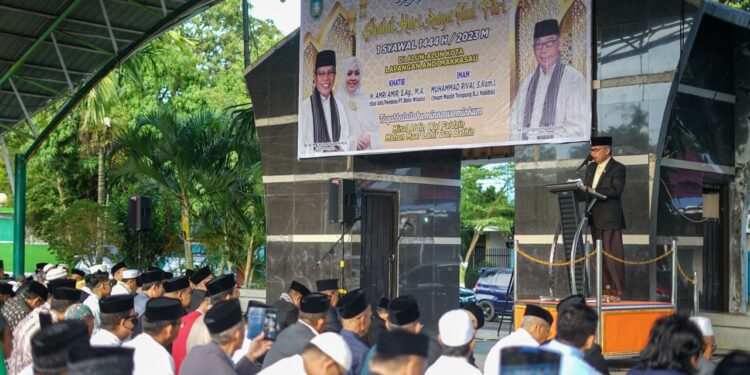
(607, 177)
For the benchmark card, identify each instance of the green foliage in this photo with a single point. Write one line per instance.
(485, 197)
(737, 4)
(72, 234)
(191, 71)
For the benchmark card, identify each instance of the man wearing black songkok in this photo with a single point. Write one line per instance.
(287, 306)
(606, 176)
(323, 125)
(401, 353)
(227, 328)
(294, 339)
(330, 287)
(554, 100)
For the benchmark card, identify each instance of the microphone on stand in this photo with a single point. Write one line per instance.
(585, 162)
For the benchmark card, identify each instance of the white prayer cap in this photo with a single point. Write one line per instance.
(98, 267)
(334, 346)
(456, 328)
(55, 273)
(129, 274)
(704, 324)
(47, 268)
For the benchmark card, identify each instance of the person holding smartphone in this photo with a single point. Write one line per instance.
(227, 328)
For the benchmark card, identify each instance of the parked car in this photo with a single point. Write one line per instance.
(466, 297)
(491, 290)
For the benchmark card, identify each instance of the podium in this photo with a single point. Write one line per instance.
(572, 227)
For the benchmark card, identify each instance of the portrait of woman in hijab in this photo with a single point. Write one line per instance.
(364, 129)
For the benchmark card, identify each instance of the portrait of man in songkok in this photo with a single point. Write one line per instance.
(323, 124)
(553, 101)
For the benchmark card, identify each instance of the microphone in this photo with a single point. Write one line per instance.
(406, 223)
(585, 161)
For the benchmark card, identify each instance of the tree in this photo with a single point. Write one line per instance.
(161, 152)
(485, 202)
(72, 234)
(232, 218)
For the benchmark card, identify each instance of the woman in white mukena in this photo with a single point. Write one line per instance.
(364, 129)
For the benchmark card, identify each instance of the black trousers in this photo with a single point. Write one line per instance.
(613, 272)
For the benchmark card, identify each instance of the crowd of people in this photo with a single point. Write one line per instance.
(121, 321)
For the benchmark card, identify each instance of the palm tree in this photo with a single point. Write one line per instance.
(177, 155)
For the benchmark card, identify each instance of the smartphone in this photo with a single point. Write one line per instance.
(255, 321)
(45, 320)
(270, 324)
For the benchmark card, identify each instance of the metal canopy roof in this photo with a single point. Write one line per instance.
(54, 49)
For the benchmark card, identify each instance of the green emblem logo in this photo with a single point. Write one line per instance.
(316, 9)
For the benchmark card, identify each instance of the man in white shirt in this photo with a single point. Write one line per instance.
(553, 101)
(576, 326)
(99, 285)
(327, 353)
(457, 336)
(294, 339)
(127, 283)
(118, 321)
(160, 327)
(534, 330)
(50, 346)
(323, 125)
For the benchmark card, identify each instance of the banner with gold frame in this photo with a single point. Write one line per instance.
(381, 76)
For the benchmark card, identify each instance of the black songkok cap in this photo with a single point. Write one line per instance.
(49, 347)
(397, 343)
(38, 289)
(299, 288)
(223, 316)
(575, 299)
(164, 309)
(116, 304)
(601, 141)
(200, 275)
(176, 283)
(478, 313)
(78, 272)
(534, 310)
(168, 275)
(352, 304)
(117, 266)
(383, 304)
(108, 360)
(6, 288)
(220, 284)
(546, 28)
(66, 294)
(189, 272)
(152, 276)
(60, 283)
(39, 266)
(327, 284)
(325, 58)
(315, 303)
(403, 310)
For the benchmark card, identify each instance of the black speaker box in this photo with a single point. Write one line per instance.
(342, 201)
(139, 213)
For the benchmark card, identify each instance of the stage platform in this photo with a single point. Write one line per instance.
(625, 325)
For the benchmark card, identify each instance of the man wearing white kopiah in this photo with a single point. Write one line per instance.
(554, 100)
(323, 125)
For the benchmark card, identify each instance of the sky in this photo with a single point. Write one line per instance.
(285, 14)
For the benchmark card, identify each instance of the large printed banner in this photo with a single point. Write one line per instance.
(380, 76)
